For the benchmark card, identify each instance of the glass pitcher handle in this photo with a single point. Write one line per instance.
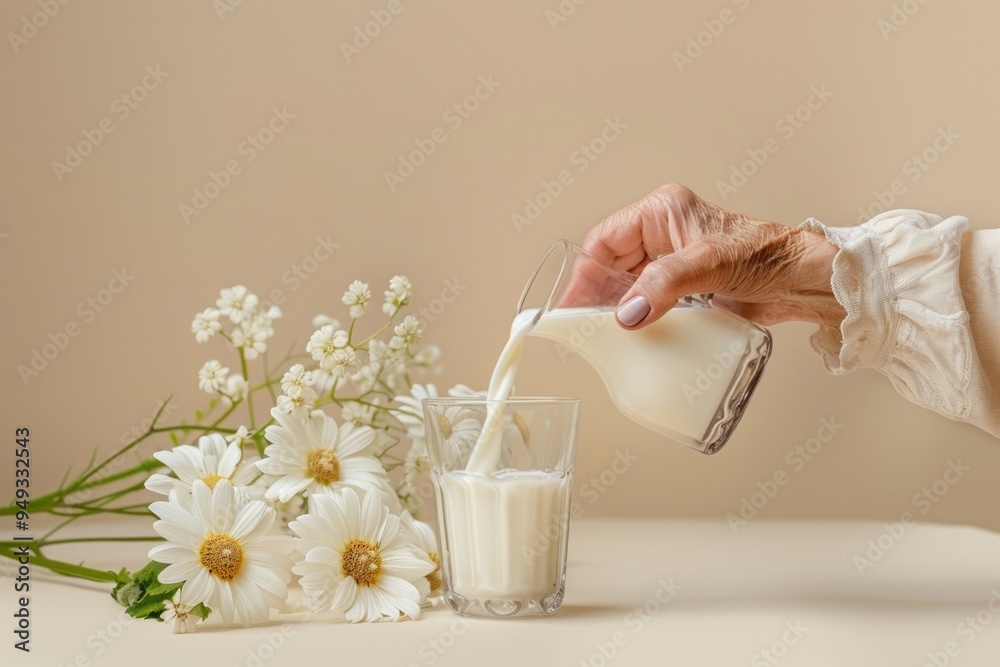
(698, 299)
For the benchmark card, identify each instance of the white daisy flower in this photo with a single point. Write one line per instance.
(459, 427)
(416, 464)
(422, 537)
(220, 547)
(296, 379)
(252, 339)
(212, 376)
(399, 294)
(237, 303)
(411, 413)
(211, 462)
(407, 336)
(358, 559)
(357, 297)
(206, 324)
(178, 616)
(464, 391)
(311, 453)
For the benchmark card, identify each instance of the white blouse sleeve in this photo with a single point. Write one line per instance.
(922, 297)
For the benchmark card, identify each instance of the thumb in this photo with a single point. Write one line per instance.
(664, 281)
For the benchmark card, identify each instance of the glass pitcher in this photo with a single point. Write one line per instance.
(688, 376)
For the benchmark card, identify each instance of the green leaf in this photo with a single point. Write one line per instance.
(201, 611)
(142, 594)
(173, 439)
(199, 415)
(151, 606)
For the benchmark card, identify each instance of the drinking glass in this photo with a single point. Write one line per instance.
(503, 535)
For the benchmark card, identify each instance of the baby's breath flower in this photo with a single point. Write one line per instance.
(330, 348)
(378, 351)
(237, 303)
(398, 295)
(251, 339)
(212, 376)
(178, 615)
(206, 324)
(303, 400)
(408, 333)
(236, 388)
(357, 297)
(296, 379)
(322, 320)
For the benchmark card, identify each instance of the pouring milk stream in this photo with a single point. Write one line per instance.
(688, 376)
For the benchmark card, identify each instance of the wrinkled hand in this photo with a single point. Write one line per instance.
(680, 244)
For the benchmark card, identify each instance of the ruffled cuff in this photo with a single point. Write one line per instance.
(897, 278)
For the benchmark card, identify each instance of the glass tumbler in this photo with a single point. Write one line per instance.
(503, 535)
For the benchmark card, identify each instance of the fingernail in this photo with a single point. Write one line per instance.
(634, 311)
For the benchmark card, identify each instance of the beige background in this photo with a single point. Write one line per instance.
(323, 176)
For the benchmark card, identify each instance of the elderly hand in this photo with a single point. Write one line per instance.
(680, 244)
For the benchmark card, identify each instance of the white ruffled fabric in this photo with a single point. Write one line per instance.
(904, 282)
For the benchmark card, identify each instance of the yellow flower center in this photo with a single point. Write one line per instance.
(211, 480)
(221, 555)
(434, 578)
(323, 466)
(362, 561)
(444, 424)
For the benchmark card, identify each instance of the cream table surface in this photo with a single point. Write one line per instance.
(792, 588)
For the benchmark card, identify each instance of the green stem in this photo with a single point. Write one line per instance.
(246, 377)
(64, 568)
(381, 329)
